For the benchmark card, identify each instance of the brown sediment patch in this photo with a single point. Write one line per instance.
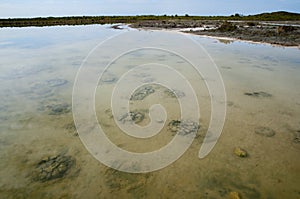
(297, 137)
(70, 127)
(133, 184)
(221, 184)
(59, 109)
(264, 131)
(261, 94)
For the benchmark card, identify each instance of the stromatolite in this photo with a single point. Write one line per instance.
(142, 92)
(52, 167)
(133, 116)
(58, 109)
(261, 94)
(183, 127)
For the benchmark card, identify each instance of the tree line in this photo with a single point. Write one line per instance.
(85, 20)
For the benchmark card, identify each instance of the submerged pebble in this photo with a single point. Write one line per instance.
(240, 152)
(234, 195)
(264, 131)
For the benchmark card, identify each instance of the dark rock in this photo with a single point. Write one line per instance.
(240, 152)
(265, 131)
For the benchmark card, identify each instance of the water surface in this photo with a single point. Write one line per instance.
(38, 68)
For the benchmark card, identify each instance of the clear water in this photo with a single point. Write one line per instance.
(38, 67)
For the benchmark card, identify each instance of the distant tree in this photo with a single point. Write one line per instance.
(186, 15)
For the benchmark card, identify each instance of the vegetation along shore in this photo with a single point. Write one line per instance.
(281, 28)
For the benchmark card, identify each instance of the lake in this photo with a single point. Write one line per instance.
(44, 156)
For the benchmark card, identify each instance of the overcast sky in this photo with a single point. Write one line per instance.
(34, 8)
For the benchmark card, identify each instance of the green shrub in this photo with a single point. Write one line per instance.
(251, 23)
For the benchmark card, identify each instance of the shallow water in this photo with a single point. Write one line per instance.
(38, 68)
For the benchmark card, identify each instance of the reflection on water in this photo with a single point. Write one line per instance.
(226, 41)
(43, 157)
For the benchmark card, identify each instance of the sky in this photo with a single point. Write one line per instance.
(44, 8)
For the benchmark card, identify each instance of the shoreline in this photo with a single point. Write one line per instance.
(237, 40)
(284, 34)
(245, 40)
(285, 31)
(233, 39)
